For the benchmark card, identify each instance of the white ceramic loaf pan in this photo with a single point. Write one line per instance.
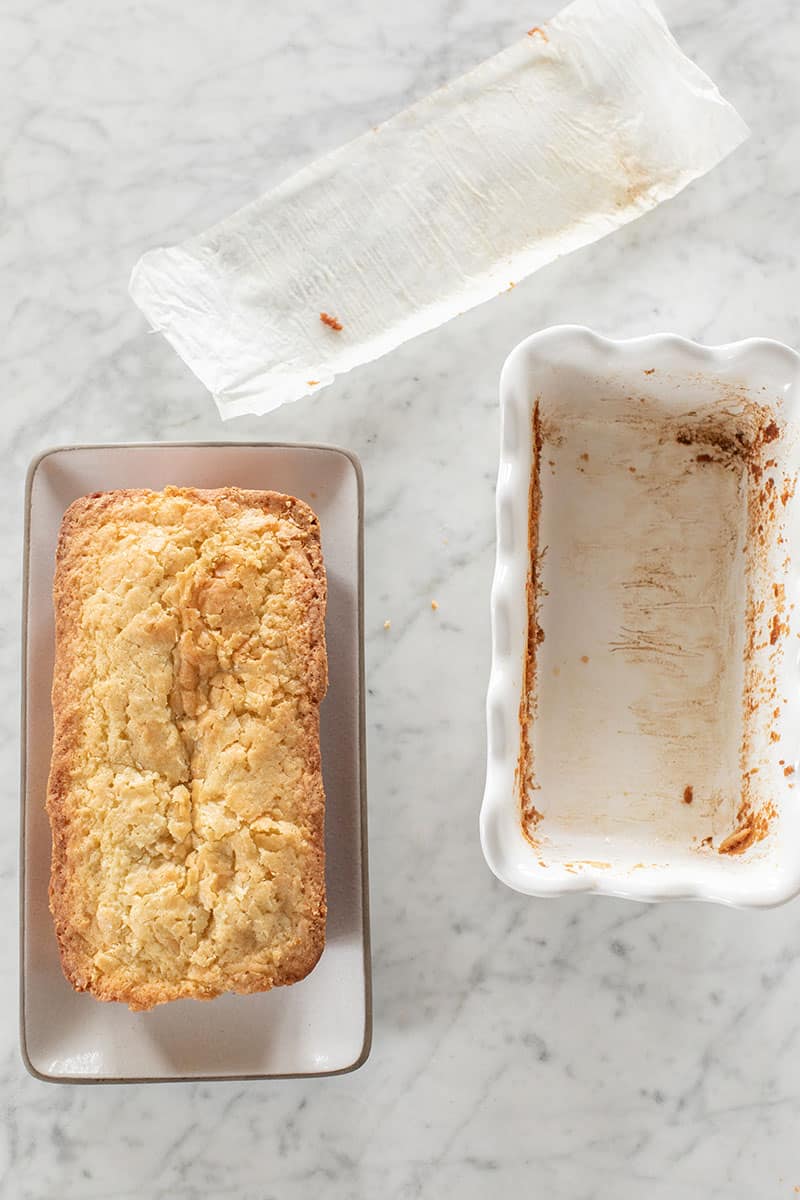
(643, 706)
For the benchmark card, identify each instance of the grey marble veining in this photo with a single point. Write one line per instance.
(578, 1049)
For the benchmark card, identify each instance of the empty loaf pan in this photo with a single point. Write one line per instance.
(643, 705)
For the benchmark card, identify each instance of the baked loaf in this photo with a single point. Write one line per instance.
(185, 793)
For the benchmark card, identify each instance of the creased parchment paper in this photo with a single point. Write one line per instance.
(578, 128)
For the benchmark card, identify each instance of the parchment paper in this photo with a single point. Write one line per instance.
(573, 131)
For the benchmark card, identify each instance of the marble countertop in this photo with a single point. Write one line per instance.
(568, 1049)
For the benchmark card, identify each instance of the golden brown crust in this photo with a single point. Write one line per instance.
(185, 793)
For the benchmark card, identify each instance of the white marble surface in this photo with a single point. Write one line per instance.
(572, 1049)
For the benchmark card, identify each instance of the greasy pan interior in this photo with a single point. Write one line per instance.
(656, 716)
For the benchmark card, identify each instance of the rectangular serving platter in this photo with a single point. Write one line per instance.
(320, 1026)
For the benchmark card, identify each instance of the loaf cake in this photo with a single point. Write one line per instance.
(185, 793)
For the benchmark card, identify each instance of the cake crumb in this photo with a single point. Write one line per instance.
(584, 658)
(331, 322)
(738, 841)
(312, 382)
(584, 457)
(788, 770)
(434, 605)
(688, 794)
(776, 629)
(537, 31)
(650, 371)
(387, 624)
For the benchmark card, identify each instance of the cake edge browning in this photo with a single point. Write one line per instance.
(84, 513)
